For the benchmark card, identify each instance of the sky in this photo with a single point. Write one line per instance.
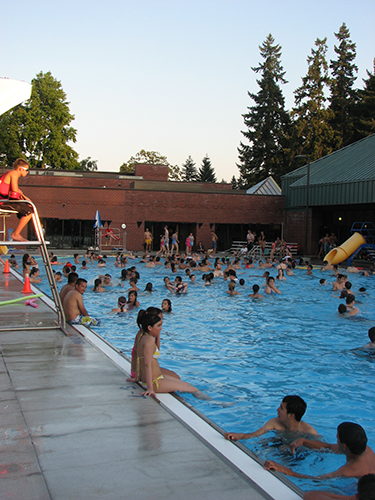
(171, 76)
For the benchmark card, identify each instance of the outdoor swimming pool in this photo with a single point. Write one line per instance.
(247, 355)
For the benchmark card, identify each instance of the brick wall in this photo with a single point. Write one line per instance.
(79, 197)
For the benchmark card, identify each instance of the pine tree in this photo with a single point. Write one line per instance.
(206, 172)
(267, 122)
(313, 134)
(343, 96)
(189, 171)
(364, 112)
(234, 182)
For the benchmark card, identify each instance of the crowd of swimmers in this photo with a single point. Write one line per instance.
(145, 368)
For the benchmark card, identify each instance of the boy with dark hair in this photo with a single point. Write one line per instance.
(289, 415)
(365, 491)
(351, 441)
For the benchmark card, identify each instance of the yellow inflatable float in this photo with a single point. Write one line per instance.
(344, 251)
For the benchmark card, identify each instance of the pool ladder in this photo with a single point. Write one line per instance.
(42, 245)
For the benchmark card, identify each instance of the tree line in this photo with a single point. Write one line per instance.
(328, 114)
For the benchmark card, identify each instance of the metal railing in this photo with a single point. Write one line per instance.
(6, 208)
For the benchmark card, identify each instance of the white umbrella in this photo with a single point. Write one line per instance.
(12, 93)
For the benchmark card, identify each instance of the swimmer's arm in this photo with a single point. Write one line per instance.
(313, 445)
(268, 426)
(270, 465)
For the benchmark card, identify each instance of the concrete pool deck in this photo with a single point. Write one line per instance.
(72, 428)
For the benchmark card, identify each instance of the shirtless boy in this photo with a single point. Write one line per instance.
(289, 415)
(74, 309)
(351, 441)
(365, 491)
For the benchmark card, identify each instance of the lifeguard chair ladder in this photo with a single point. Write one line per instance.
(6, 209)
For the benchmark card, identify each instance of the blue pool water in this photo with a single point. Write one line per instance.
(253, 353)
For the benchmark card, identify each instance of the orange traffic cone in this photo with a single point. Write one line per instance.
(6, 267)
(26, 285)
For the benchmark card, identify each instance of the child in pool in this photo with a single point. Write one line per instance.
(98, 288)
(255, 294)
(166, 306)
(121, 306)
(132, 300)
(231, 289)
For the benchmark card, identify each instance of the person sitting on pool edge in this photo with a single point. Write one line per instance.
(289, 415)
(351, 441)
(365, 491)
(74, 309)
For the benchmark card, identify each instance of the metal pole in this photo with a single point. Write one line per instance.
(307, 204)
(307, 198)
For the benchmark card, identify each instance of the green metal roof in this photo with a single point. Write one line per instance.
(344, 177)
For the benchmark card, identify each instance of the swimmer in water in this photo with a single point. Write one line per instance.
(270, 287)
(231, 289)
(166, 306)
(255, 294)
(371, 336)
(350, 305)
(121, 306)
(98, 288)
(289, 415)
(351, 441)
(365, 491)
(132, 300)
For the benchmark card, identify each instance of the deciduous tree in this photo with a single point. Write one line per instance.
(151, 158)
(40, 129)
(89, 164)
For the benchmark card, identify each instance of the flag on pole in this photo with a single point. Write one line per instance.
(98, 221)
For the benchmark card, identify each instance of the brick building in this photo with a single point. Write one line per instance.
(67, 202)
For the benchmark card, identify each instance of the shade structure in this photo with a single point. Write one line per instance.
(12, 93)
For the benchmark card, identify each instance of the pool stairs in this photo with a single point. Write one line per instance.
(367, 230)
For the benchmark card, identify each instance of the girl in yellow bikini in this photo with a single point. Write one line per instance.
(148, 371)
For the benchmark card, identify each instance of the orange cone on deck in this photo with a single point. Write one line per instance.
(26, 285)
(6, 267)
